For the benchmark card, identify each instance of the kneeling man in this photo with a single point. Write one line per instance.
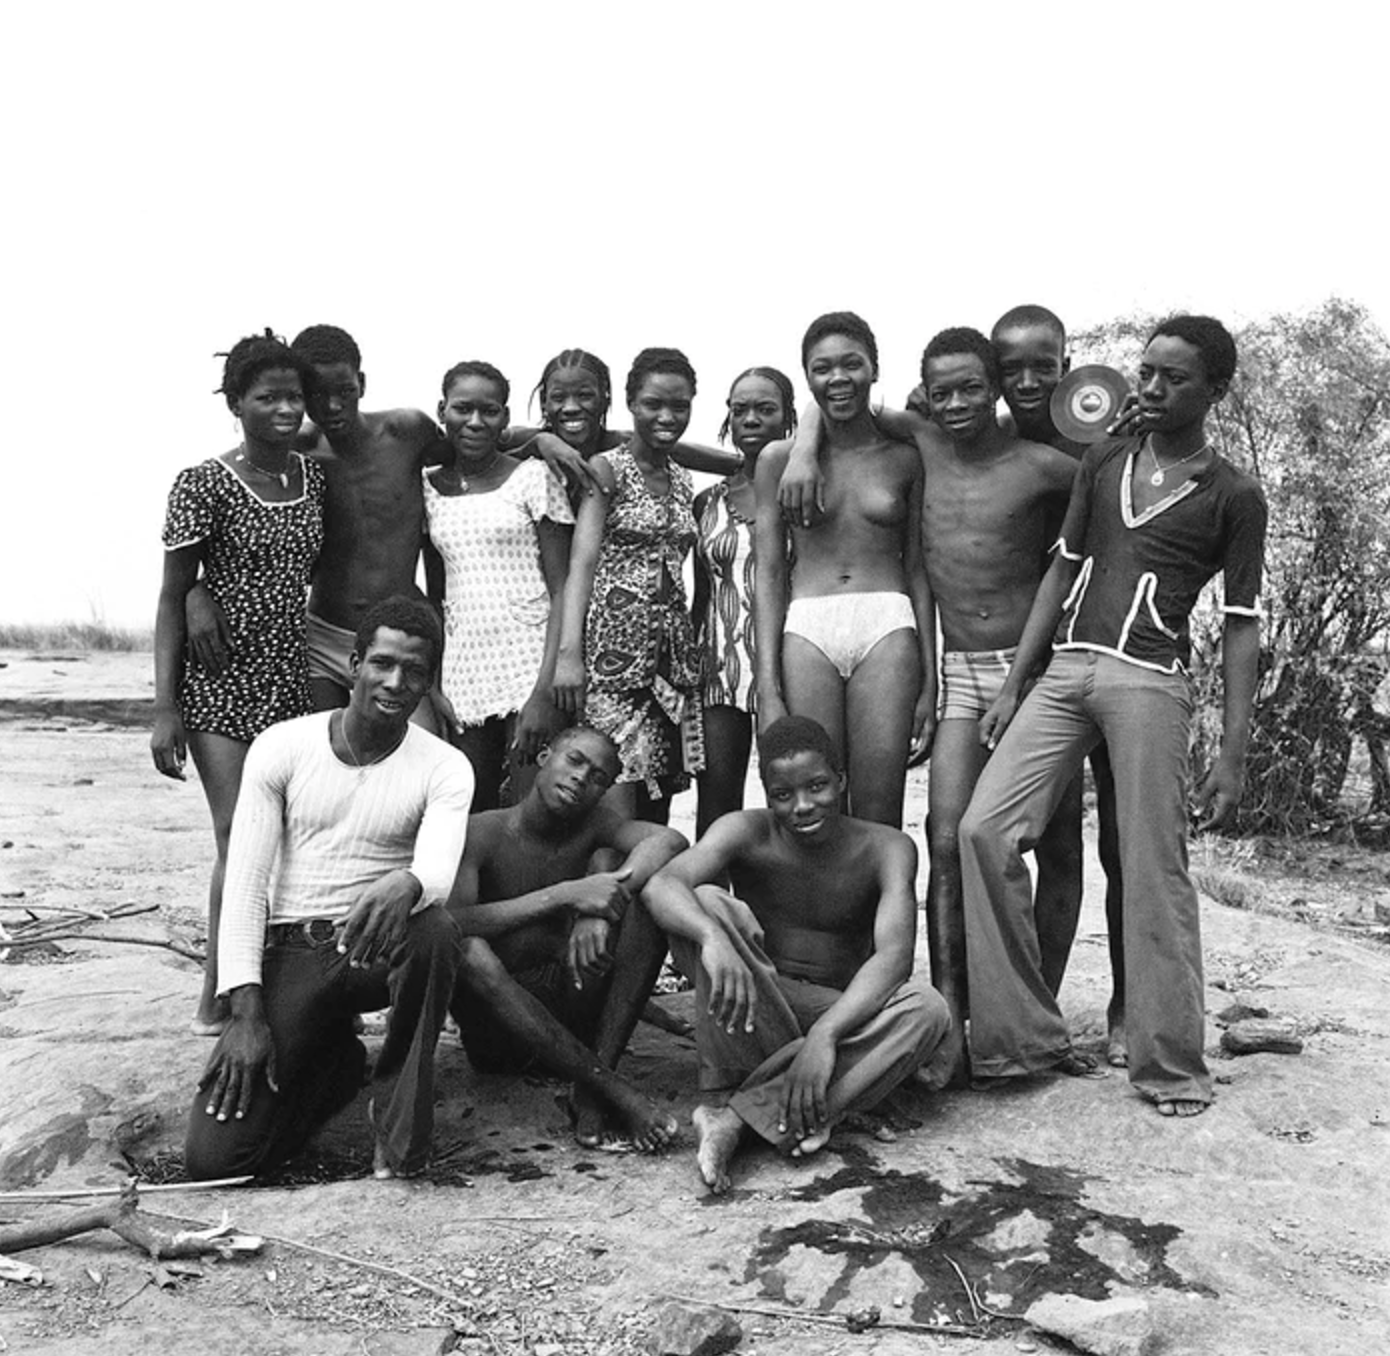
(806, 1005)
(346, 840)
(556, 966)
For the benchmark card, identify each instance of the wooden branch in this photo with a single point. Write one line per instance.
(832, 1320)
(123, 1218)
(88, 1193)
(23, 943)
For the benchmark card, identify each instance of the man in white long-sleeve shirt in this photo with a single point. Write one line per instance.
(348, 832)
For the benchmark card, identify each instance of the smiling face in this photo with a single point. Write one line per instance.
(803, 793)
(661, 410)
(840, 372)
(960, 395)
(1174, 389)
(334, 399)
(756, 414)
(391, 677)
(575, 772)
(1032, 361)
(575, 406)
(272, 408)
(473, 414)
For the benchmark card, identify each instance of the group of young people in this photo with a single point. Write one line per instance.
(558, 651)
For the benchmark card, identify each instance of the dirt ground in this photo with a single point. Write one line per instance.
(1260, 1227)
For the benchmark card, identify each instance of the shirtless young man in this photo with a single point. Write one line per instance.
(556, 964)
(986, 498)
(806, 1005)
(1153, 516)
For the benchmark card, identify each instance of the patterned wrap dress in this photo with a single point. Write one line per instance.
(725, 550)
(640, 654)
(496, 603)
(257, 556)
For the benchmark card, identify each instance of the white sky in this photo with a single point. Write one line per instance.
(500, 182)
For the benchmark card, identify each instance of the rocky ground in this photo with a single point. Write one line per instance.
(1257, 1228)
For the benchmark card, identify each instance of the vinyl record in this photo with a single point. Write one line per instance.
(1086, 400)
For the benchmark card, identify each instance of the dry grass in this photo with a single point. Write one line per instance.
(72, 635)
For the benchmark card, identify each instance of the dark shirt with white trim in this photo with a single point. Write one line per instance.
(1141, 574)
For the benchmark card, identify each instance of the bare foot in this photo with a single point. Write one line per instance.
(1181, 1106)
(1116, 1051)
(1076, 1065)
(643, 1122)
(812, 1144)
(948, 1066)
(588, 1117)
(717, 1133)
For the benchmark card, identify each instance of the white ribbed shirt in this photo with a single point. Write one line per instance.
(311, 832)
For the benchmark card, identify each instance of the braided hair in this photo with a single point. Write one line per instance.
(585, 361)
(784, 388)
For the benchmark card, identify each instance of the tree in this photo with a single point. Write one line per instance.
(1309, 414)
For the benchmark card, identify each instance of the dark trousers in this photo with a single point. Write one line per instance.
(311, 996)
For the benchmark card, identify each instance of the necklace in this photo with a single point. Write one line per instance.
(243, 457)
(1160, 471)
(465, 484)
(352, 753)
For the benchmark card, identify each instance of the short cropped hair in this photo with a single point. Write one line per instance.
(474, 367)
(839, 322)
(414, 616)
(651, 361)
(1209, 337)
(326, 344)
(962, 339)
(790, 735)
(586, 362)
(572, 732)
(255, 354)
(1029, 317)
(785, 389)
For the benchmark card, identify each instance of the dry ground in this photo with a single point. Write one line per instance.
(1258, 1228)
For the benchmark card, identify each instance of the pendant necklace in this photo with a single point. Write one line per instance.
(352, 753)
(244, 458)
(1160, 472)
(465, 484)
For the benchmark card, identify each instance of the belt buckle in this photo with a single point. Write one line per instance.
(319, 931)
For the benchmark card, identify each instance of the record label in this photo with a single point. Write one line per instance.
(1086, 402)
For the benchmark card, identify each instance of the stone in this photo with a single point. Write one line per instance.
(1239, 1011)
(693, 1330)
(1113, 1327)
(1257, 1034)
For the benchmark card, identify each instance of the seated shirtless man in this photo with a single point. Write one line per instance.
(987, 499)
(806, 1004)
(556, 966)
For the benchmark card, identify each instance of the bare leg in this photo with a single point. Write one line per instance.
(956, 762)
(879, 698)
(219, 762)
(728, 740)
(527, 1020)
(813, 687)
(1057, 900)
(637, 957)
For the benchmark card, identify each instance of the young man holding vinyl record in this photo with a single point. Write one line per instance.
(1154, 515)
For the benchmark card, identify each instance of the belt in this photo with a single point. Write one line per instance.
(303, 932)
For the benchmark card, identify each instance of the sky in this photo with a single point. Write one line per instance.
(452, 181)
